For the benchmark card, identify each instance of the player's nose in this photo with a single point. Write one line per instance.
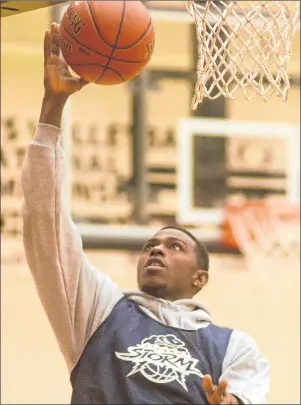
(157, 251)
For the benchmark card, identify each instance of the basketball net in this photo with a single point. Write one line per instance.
(267, 233)
(243, 47)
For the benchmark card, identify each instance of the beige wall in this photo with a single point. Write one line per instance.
(32, 368)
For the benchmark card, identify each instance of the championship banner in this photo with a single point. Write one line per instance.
(9, 8)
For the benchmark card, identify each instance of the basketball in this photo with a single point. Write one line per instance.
(107, 42)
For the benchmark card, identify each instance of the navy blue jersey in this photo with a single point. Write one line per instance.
(134, 359)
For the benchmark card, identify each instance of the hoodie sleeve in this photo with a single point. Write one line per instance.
(246, 370)
(75, 296)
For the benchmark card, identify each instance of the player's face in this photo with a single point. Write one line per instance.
(168, 265)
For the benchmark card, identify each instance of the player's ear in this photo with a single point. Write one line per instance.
(200, 278)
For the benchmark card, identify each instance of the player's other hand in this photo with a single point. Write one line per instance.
(217, 394)
(58, 80)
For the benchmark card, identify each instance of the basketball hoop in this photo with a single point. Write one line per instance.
(244, 47)
(266, 232)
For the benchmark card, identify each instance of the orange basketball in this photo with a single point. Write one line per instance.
(107, 42)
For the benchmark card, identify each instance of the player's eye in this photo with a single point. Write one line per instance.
(176, 246)
(147, 247)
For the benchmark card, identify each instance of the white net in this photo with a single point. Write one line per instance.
(243, 47)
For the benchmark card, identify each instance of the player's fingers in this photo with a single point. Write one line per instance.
(55, 39)
(222, 387)
(55, 28)
(52, 59)
(75, 84)
(208, 385)
(221, 391)
(47, 47)
(82, 82)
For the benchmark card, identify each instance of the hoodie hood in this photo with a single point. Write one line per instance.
(185, 314)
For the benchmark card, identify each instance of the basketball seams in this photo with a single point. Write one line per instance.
(120, 23)
(116, 40)
(100, 65)
(115, 45)
(91, 13)
(99, 53)
(137, 40)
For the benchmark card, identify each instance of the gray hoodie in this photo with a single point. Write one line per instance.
(77, 298)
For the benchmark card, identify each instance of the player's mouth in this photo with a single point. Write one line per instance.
(154, 264)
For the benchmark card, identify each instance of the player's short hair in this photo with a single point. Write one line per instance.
(202, 255)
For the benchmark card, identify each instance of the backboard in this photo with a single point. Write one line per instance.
(220, 160)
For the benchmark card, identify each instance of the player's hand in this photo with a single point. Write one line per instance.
(217, 394)
(57, 77)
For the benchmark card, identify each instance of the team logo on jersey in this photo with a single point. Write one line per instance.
(161, 359)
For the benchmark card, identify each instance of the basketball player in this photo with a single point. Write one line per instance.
(155, 345)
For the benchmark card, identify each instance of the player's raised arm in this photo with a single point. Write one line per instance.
(75, 296)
